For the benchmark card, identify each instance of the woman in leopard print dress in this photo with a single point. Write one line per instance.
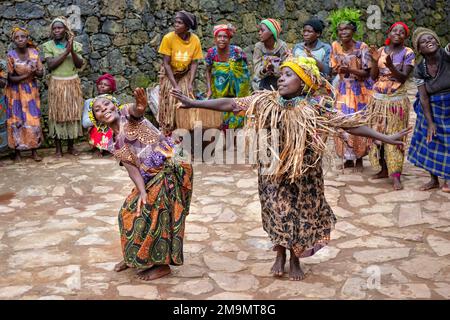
(295, 213)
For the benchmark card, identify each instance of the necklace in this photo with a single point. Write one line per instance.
(290, 103)
(60, 45)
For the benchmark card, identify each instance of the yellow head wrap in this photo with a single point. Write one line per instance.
(306, 68)
(16, 29)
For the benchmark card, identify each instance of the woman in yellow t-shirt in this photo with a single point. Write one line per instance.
(181, 49)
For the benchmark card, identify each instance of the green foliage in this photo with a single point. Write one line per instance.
(345, 15)
(140, 81)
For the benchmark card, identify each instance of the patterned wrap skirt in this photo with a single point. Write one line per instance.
(156, 236)
(434, 156)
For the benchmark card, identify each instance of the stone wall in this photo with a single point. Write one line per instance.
(122, 36)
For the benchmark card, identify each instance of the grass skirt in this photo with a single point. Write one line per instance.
(392, 116)
(65, 105)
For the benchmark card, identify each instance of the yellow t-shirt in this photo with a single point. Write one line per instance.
(181, 52)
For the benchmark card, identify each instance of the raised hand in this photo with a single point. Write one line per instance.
(389, 62)
(70, 42)
(141, 99)
(374, 53)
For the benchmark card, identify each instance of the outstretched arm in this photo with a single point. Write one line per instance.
(137, 109)
(365, 131)
(222, 104)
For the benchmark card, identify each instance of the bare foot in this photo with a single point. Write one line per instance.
(120, 266)
(396, 184)
(154, 272)
(295, 271)
(73, 151)
(278, 266)
(359, 165)
(349, 164)
(17, 158)
(381, 175)
(98, 153)
(445, 187)
(432, 184)
(35, 156)
(58, 154)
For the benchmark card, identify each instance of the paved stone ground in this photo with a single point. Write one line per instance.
(59, 237)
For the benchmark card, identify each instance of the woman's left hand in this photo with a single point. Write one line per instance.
(141, 98)
(397, 139)
(186, 102)
(389, 62)
(142, 201)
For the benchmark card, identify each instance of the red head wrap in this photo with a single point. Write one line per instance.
(228, 28)
(398, 23)
(110, 79)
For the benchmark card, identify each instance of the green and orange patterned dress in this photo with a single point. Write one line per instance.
(155, 237)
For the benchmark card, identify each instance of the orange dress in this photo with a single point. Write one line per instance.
(23, 111)
(353, 94)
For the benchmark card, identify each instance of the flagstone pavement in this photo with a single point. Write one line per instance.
(59, 237)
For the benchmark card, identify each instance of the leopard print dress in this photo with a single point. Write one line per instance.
(296, 215)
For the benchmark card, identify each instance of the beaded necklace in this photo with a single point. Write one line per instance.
(290, 103)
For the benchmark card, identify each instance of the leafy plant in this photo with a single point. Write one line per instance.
(348, 16)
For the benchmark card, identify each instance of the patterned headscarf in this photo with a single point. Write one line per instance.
(66, 24)
(420, 32)
(228, 28)
(101, 126)
(306, 68)
(110, 78)
(398, 23)
(188, 19)
(274, 26)
(29, 42)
